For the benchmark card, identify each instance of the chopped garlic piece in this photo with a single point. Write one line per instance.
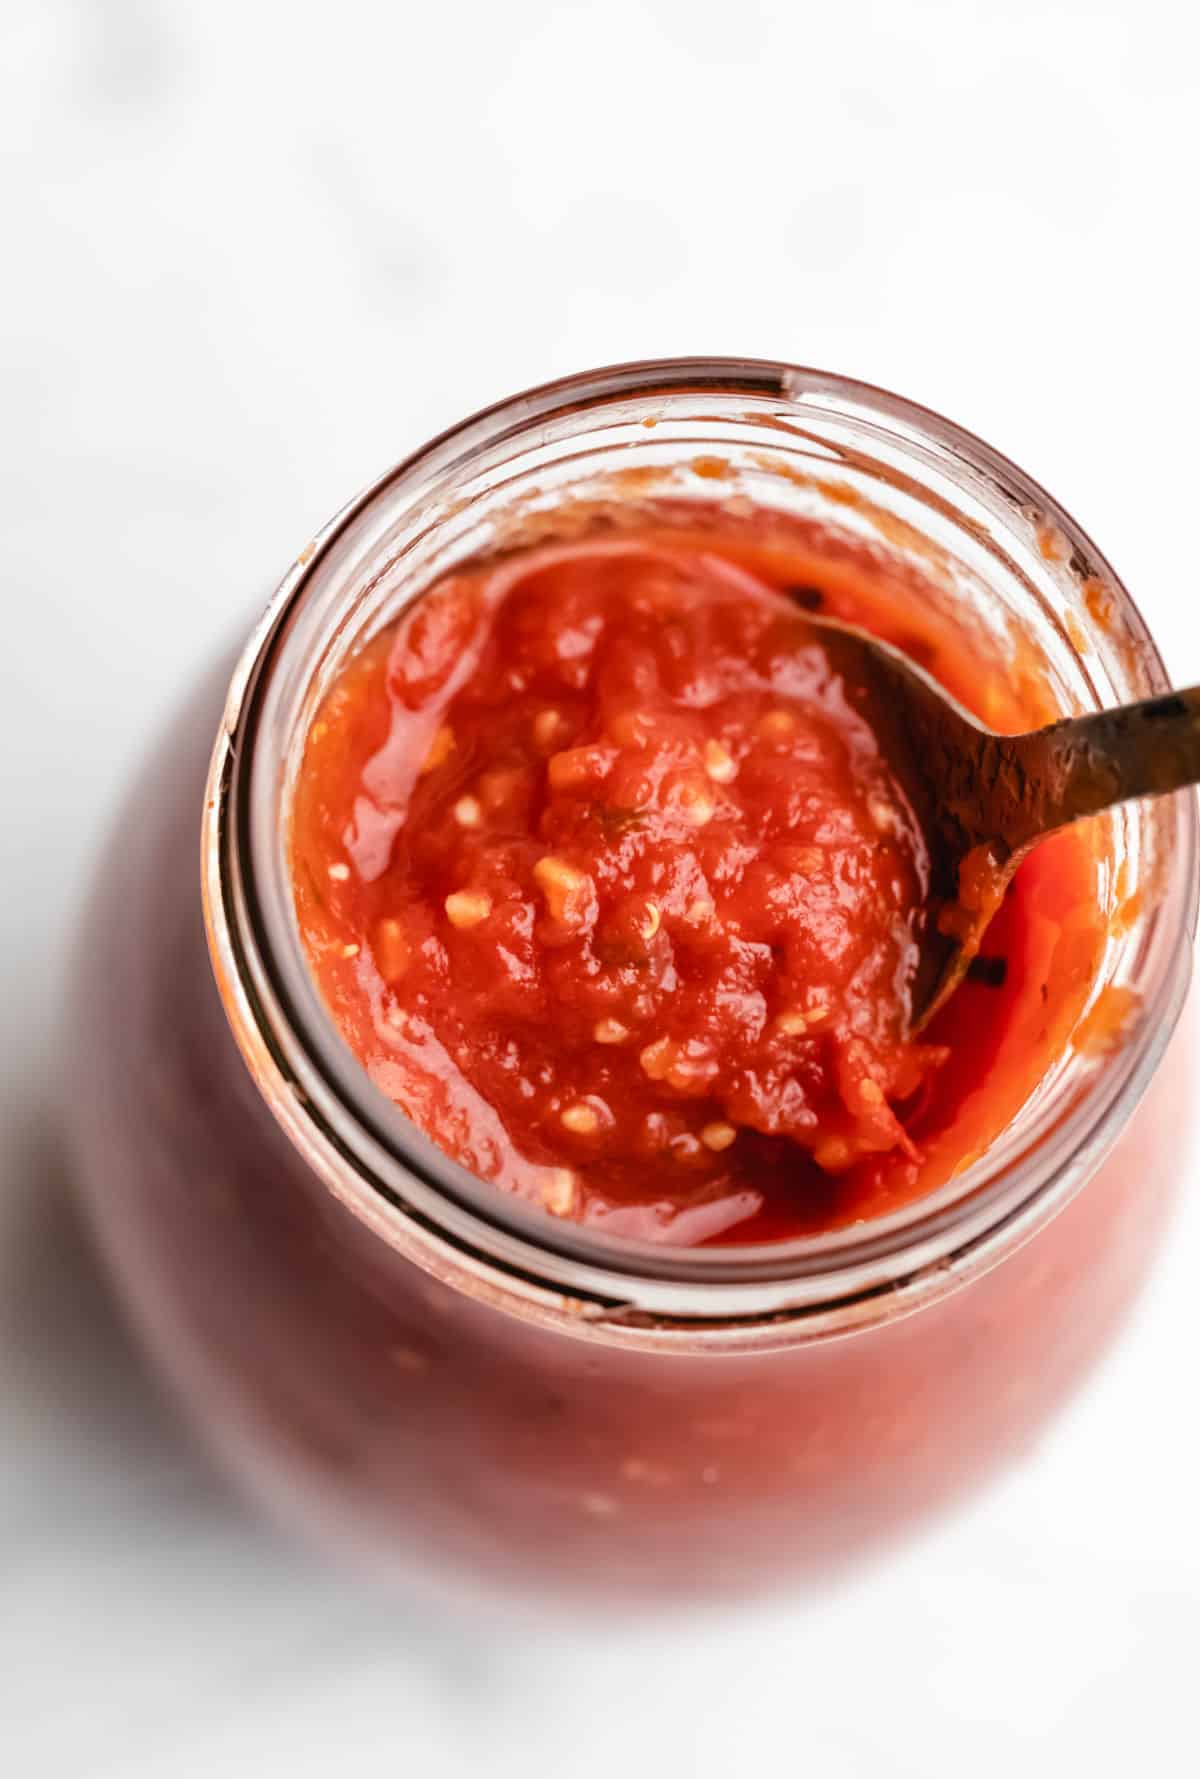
(884, 815)
(581, 1119)
(695, 805)
(546, 726)
(392, 950)
(566, 889)
(657, 1058)
(558, 1190)
(719, 763)
(467, 908)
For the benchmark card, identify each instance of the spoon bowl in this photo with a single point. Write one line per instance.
(982, 800)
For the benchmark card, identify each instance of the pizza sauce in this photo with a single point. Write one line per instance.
(605, 881)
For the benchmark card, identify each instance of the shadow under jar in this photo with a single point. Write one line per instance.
(408, 1361)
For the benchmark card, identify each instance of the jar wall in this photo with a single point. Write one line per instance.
(379, 1407)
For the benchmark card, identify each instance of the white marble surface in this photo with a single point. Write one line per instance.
(254, 253)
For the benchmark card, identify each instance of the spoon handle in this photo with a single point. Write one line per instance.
(1083, 765)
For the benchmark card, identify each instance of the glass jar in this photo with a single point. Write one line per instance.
(413, 1363)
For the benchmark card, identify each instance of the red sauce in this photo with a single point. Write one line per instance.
(605, 881)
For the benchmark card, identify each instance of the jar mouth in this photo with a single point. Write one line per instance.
(359, 1142)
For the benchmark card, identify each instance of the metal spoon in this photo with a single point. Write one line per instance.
(983, 800)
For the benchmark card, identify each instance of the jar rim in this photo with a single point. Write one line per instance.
(365, 1149)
